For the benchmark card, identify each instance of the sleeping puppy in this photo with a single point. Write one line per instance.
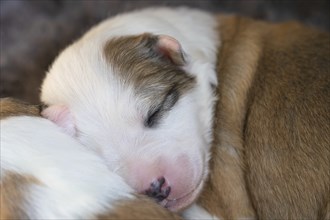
(158, 92)
(46, 174)
(139, 101)
(271, 144)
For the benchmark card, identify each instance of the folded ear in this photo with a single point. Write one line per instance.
(60, 115)
(170, 48)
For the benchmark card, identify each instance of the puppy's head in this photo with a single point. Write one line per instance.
(130, 100)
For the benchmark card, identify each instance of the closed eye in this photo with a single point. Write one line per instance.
(155, 114)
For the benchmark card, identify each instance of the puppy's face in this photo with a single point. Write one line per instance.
(130, 100)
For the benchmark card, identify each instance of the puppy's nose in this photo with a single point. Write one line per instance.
(158, 190)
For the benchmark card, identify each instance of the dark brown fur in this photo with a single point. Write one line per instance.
(12, 107)
(277, 122)
(137, 62)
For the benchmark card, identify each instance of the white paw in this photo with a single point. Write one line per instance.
(195, 212)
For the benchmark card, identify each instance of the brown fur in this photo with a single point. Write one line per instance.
(274, 110)
(141, 208)
(15, 186)
(12, 107)
(138, 62)
(14, 189)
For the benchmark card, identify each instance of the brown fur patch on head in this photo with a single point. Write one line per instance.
(13, 190)
(12, 107)
(137, 62)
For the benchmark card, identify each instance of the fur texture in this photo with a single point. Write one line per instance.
(271, 149)
(270, 154)
(117, 92)
(46, 174)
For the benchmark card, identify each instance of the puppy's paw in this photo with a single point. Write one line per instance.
(195, 212)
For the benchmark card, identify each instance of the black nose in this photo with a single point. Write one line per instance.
(157, 190)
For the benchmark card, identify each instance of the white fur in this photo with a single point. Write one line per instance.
(196, 212)
(74, 182)
(108, 116)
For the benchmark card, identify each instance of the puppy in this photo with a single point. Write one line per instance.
(271, 135)
(158, 92)
(140, 101)
(46, 174)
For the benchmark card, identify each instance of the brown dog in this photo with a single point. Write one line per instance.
(271, 151)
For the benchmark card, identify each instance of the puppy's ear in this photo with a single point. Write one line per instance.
(170, 48)
(60, 115)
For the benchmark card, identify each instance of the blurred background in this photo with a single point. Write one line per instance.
(33, 32)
